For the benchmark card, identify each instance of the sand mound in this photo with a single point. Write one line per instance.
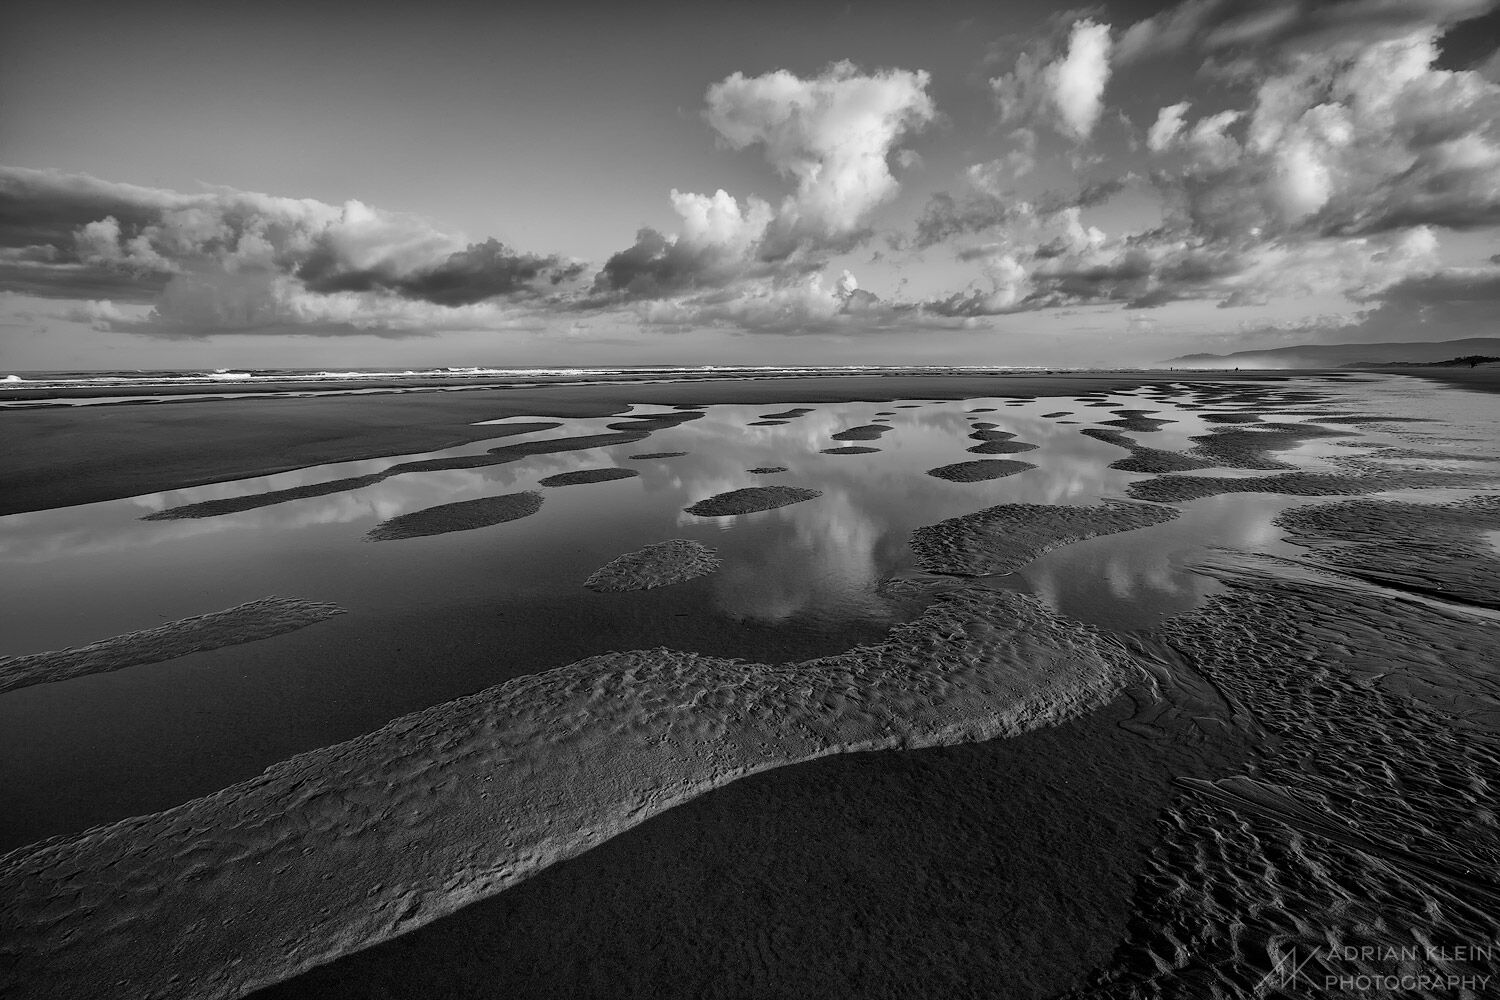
(1250, 447)
(462, 516)
(987, 432)
(794, 412)
(582, 477)
(1139, 421)
(358, 842)
(244, 623)
(1435, 549)
(655, 421)
(767, 423)
(751, 499)
(1003, 539)
(1057, 413)
(658, 565)
(1230, 418)
(1373, 721)
(1142, 458)
(495, 456)
(766, 470)
(658, 454)
(865, 432)
(1174, 489)
(979, 470)
(852, 449)
(1002, 448)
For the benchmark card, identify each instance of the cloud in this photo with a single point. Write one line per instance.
(479, 272)
(804, 305)
(832, 136)
(1066, 93)
(1343, 142)
(1077, 81)
(1168, 125)
(224, 259)
(1007, 281)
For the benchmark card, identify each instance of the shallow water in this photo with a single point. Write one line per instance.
(437, 617)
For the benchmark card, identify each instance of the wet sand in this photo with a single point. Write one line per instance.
(466, 515)
(750, 500)
(674, 561)
(976, 870)
(1310, 753)
(980, 470)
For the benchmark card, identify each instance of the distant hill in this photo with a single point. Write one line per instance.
(1342, 355)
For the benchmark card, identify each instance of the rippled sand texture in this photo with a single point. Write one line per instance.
(352, 844)
(673, 561)
(1174, 489)
(864, 432)
(1142, 457)
(751, 499)
(582, 477)
(1366, 815)
(465, 515)
(1441, 548)
(979, 470)
(1003, 539)
(245, 623)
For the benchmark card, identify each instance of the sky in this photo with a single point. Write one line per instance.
(463, 184)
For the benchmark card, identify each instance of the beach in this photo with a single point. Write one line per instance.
(663, 688)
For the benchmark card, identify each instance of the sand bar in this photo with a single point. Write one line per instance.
(751, 499)
(1435, 549)
(582, 477)
(349, 845)
(674, 561)
(979, 470)
(865, 432)
(1003, 539)
(501, 455)
(244, 623)
(465, 515)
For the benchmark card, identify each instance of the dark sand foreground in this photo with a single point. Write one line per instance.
(1000, 869)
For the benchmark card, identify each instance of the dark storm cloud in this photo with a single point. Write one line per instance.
(655, 266)
(223, 259)
(1253, 25)
(45, 207)
(73, 281)
(482, 271)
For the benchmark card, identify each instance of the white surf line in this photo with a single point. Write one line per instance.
(350, 845)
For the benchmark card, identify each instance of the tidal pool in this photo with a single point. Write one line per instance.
(436, 617)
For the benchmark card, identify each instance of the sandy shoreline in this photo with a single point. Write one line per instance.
(61, 456)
